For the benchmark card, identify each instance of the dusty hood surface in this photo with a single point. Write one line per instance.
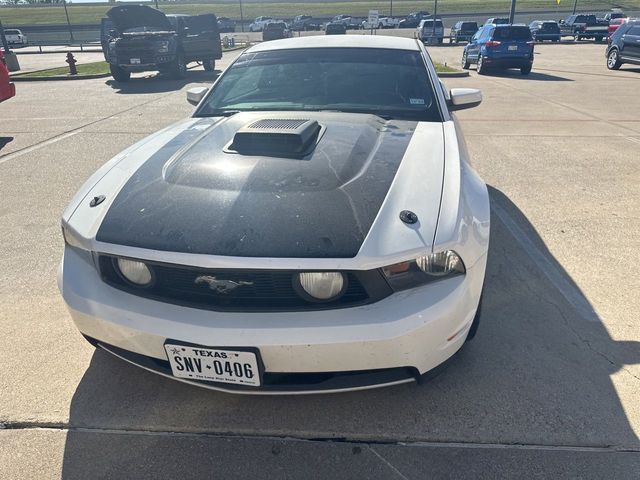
(191, 196)
(125, 17)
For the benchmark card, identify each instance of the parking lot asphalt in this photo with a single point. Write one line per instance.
(549, 388)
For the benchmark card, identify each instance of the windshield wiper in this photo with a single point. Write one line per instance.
(219, 113)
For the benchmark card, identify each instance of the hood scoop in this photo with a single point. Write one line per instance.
(277, 137)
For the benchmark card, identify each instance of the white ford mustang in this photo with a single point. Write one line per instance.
(314, 227)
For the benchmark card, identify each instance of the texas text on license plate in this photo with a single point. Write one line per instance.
(134, 61)
(213, 364)
(513, 47)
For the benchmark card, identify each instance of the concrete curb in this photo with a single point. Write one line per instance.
(453, 74)
(66, 50)
(23, 78)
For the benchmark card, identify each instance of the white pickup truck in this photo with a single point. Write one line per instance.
(383, 22)
(15, 36)
(258, 24)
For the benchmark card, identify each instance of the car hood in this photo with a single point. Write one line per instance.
(191, 195)
(125, 17)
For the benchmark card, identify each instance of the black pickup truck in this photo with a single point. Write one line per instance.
(413, 19)
(138, 38)
(583, 26)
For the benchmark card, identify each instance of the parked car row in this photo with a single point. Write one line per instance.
(308, 23)
(430, 30)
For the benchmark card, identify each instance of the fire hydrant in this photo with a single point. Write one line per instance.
(72, 64)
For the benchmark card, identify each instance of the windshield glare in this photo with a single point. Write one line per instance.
(389, 83)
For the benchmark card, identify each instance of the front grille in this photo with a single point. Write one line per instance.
(256, 290)
(124, 53)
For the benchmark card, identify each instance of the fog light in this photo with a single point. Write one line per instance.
(322, 286)
(135, 272)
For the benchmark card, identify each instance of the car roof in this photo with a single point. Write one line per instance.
(342, 41)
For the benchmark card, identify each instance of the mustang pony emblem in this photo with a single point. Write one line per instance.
(220, 286)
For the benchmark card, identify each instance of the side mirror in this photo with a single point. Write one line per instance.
(462, 98)
(196, 94)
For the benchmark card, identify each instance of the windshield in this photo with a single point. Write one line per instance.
(389, 83)
(429, 24)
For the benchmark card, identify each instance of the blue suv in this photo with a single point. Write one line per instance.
(500, 46)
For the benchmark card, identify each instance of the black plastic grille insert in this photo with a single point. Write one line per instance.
(257, 290)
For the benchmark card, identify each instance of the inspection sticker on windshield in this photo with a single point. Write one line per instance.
(416, 101)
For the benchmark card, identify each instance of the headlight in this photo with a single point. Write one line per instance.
(135, 272)
(424, 269)
(322, 286)
(163, 47)
(441, 263)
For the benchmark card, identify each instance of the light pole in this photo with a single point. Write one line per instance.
(66, 13)
(512, 12)
(575, 4)
(391, 9)
(241, 17)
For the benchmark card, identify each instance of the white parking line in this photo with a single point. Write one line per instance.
(37, 146)
(569, 291)
(634, 140)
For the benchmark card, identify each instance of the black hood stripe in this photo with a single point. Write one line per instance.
(205, 201)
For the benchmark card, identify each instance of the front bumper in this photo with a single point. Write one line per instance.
(146, 62)
(391, 341)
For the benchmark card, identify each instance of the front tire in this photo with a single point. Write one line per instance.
(119, 74)
(209, 65)
(613, 60)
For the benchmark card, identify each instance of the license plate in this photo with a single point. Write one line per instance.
(213, 364)
(134, 61)
(513, 47)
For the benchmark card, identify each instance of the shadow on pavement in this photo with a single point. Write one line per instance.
(158, 83)
(539, 372)
(541, 77)
(4, 141)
